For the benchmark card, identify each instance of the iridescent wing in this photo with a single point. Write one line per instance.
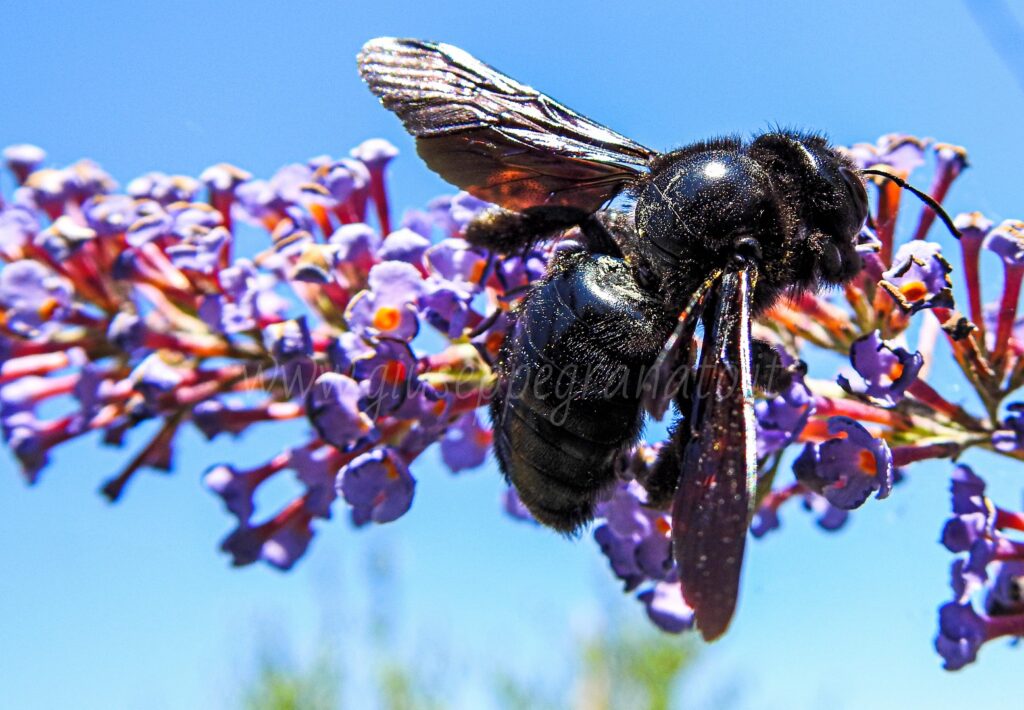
(712, 507)
(494, 137)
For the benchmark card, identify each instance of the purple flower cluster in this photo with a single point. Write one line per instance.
(122, 308)
(139, 309)
(990, 568)
(636, 539)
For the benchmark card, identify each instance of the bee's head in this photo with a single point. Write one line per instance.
(790, 204)
(823, 199)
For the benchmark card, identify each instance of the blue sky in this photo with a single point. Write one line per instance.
(131, 605)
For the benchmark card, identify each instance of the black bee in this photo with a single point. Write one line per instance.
(719, 231)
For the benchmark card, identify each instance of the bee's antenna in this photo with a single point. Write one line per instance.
(923, 196)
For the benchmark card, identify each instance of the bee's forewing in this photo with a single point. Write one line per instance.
(712, 506)
(494, 137)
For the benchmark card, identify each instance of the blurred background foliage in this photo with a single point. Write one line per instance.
(616, 663)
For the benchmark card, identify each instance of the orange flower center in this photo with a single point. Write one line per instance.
(662, 525)
(387, 318)
(895, 371)
(392, 471)
(914, 290)
(867, 462)
(477, 274)
(48, 307)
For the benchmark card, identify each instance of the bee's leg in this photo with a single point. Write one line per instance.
(770, 374)
(506, 231)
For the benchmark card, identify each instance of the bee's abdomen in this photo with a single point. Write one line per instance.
(571, 373)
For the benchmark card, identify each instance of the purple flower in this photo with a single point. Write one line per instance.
(243, 544)
(1011, 435)
(884, 373)
(63, 238)
(201, 253)
(962, 531)
(464, 207)
(968, 491)
(357, 246)
(781, 419)
(456, 275)
(316, 468)
(439, 211)
(288, 543)
(28, 439)
(919, 277)
(346, 350)
(375, 152)
(213, 417)
(343, 178)
(388, 306)
(378, 486)
(333, 407)
(23, 159)
(667, 608)
(846, 470)
(405, 245)
(34, 297)
(279, 542)
(514, 507)
(516, 273)
(289, 339)
(418, 221)
(49, 190)
(624, 511)
(830, 517)
(223, 178)
(127, 332)
(456, 261)
(634, 538)
(291, 345)
(247, 299)
(178, 221)
(621, 554)
(18, 227)
(89, 180)
(902, 152)
(766, 519)
(154, 376)
(466, 443)
(93, 388)
(973, 226)
(111, 214)
(388, 378)
(234, 487)
(21, 395)
(961, 634)
(163, 188)
(1007, 240)
(1006, 594)
(970, 530)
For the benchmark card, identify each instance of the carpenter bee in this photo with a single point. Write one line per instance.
(718, 232)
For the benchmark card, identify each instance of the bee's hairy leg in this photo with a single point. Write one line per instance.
(506, 231)
(770, 375)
